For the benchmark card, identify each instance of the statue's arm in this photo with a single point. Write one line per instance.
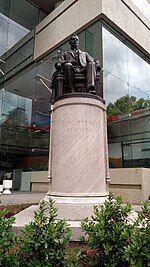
(97, 64)
(60, 63)
(62, 59)
(89, 58)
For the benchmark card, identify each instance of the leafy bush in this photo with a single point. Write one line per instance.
(138, 250)
(74, 258)
(114, 242)
(43, 242)
(7, 240)
(146, 210)
(108, 231)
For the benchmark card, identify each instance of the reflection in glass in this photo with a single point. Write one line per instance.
(17, 18)
(3, 30)
(24, 13)
(12, 102)
(127, 93)
(93, 41)
(25, 103)
(114, 87)
(138, 75)
(115, 155)
(15, 33)
(114, 56)
(120, 63)
(25, 122)
(136, 154)
(10, 33)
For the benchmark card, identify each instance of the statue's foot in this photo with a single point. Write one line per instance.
(92, 90)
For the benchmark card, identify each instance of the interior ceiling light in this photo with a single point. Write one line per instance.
(2, 61)
(41, 78)
(2, 72)
(49, 89)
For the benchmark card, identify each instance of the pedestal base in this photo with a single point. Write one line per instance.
(78, 161)
(7, 185)
(6, 192)
(75, 208)
(1, 189)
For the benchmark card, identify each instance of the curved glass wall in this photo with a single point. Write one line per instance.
(25, 104)
(126, 79)
(25, 123)
(127, 94)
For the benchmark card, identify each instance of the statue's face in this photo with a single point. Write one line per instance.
(74, 41)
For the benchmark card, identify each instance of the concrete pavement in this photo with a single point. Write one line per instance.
(21, 198)
(30, 197)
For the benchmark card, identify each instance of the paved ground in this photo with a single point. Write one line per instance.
(21, 198)
(30, 197)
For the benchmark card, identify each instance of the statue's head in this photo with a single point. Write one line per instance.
(74, 40)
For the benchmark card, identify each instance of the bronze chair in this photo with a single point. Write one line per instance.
(59, 87)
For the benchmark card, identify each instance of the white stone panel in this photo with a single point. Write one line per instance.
(79, 157)
(74, 16)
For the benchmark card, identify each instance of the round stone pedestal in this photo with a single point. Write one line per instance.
(79, 156)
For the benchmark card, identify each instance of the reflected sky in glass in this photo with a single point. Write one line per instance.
(124, 71)
(10, 33)
(10, 102)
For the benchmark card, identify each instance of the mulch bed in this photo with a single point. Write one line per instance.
(14, 209)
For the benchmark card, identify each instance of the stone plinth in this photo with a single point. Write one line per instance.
(79, 156)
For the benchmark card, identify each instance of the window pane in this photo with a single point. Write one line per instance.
(115, 58)
(24, 13)
(5, 7)
(126, 78)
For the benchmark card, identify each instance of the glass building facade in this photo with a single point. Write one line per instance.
(126, 80)
(25, 96)
(24, 113)
(17, 18)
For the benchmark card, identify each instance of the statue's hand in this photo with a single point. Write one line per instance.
(58, 66)
(72, 61)
(97, 65)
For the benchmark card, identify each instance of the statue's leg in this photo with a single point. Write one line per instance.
(81, 79)
(59, 85)
(91, 76)
(69, 73)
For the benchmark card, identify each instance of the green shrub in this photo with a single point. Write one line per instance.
(7, 241)
(138, 250)
(43, 242)
(146, 210)
(108, 231)
(74, 258)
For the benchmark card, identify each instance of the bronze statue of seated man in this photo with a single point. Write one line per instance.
(74, 62)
